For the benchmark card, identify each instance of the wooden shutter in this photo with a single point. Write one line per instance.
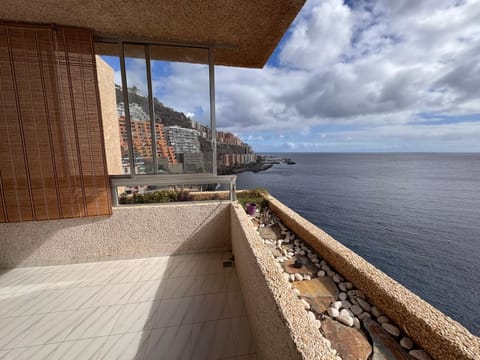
(52, 163)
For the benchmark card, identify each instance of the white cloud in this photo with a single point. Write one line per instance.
(377, 66)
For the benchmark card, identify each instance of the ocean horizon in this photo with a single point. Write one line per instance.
(415, 216)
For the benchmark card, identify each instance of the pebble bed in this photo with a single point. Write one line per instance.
(350, 308)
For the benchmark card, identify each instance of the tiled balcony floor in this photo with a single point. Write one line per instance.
(177, 307)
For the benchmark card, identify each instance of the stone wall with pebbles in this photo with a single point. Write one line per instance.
(280, 325)
(398, 314)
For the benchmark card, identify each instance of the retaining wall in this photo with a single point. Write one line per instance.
(279, 323)
(131, 231)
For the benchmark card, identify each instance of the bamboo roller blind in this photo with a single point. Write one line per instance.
(52, 163)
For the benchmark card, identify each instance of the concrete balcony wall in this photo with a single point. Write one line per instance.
(280, 325)
(130, 232)
(439, 335)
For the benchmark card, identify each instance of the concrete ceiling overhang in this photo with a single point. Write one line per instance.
(244, 32)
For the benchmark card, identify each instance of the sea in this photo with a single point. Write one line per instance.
(414, 216)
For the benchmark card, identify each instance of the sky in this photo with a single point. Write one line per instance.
(348, 76)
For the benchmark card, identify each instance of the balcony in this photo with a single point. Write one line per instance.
(159, 281)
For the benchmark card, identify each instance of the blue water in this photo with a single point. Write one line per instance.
(414, 216)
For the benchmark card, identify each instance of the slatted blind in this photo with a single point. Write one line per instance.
(52, 163)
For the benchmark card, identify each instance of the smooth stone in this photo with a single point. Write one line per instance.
(298, 277)
(353, 300)
(346, 312)
(383, 319)
(315, 260)
(291, 277)
(391, 329)
(321, 273)
(356, 309)
(346, 304)
(350, 343)
(336, 278)
(349, 285)
(364, 316)
(307, 277)
(360, 294)
(376, 312)
(385, 347)
(352, 292)
(273, 249)
(345, 319)
(296, 291)
(333, 312)
(337, 305)
(419, 355)
(342, 287)
(318, 324)
(306, 305)
(342, 296)
(364, 304)
(356, 323)
(273, 232)
(407, 343)
(311, 316)
(302, 252)
(331, 273)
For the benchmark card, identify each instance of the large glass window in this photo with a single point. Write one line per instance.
(162, 106)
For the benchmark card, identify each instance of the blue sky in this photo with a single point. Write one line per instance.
(392, 75)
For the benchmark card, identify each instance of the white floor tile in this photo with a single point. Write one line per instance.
(129, 346)
(170, 343)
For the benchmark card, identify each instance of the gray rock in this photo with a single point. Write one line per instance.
(336, 278)
(391, 329)
(346, 304)
(298, 277)
(383, 319)
(376, 312)
(419, 355)
(349, 285)
(364, 304)
(342, 296)
(407, 343)
(321, 273)
(342, 287)
(364, 316)
(356, 309)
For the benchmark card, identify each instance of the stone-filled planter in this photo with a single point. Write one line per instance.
(361, 297)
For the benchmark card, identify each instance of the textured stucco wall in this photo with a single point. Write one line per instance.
(111, 132)
(134, 231)
(280, 325)
(439, 335)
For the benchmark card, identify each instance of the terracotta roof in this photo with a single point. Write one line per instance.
(246, 31)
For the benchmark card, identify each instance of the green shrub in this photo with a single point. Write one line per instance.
(162, 196)
(257, 196)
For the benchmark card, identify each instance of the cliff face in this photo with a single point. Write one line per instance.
(163, 114)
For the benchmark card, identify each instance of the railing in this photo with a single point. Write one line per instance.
(164, 180)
